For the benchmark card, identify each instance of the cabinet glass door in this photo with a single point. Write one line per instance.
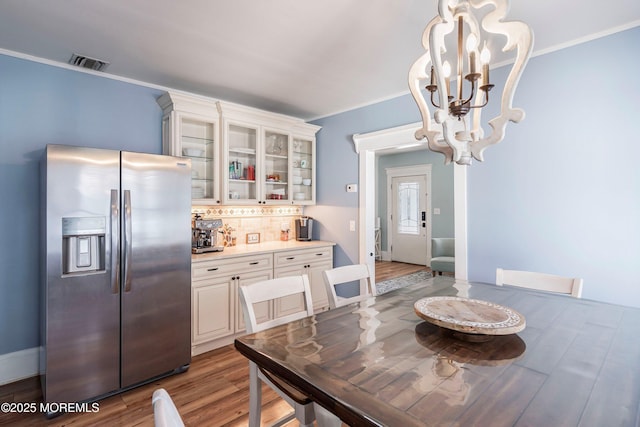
(276, 167)
(197, 142)
(242, 170)
(303, 173)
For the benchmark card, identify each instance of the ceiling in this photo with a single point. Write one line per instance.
(299, 57)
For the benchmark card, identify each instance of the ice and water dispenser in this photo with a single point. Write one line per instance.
(83, 244)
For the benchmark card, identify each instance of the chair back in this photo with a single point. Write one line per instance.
(346, 274)
(540, 281)
(271, 289)
(165, 413)
(443, 246)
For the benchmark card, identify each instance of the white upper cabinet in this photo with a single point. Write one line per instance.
(240, 155)
(190, 128)
(303, 169)
(267, 158)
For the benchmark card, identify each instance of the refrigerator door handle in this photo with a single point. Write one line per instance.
(115, 247)
(127, 240)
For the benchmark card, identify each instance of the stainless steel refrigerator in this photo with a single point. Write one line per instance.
(116, 292)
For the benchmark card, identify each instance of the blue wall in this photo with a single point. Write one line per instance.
(40, 105)
(337, 166)
(560, 194)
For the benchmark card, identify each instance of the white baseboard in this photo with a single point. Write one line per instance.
(19, 365)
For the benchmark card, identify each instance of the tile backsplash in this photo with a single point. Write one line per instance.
(266, 220)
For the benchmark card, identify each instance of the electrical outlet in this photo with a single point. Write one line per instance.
(352, 225)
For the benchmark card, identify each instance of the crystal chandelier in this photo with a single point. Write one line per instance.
(457, 131)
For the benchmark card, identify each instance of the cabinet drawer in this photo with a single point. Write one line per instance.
(303, 256)
(225, 267)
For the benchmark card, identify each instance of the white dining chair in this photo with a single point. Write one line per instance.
(348, 273)
(540, 281)
(165, 413)
(267, 290)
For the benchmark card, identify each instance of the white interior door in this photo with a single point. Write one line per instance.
(409, 219)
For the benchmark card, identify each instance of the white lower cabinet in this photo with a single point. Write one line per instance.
(217, 316)
(311, 262)
(212, 310)
(216, 313)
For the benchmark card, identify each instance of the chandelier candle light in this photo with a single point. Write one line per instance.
(457, 134)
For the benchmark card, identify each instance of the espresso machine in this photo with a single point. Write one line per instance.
(204, 235)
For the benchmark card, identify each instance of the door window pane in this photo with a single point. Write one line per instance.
(408, 206)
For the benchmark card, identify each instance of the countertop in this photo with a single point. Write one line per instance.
(256, 248)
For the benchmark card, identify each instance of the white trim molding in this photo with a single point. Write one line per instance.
(19, 365)
(366, 146)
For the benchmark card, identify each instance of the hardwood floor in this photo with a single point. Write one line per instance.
(213, 392)
(386, 270)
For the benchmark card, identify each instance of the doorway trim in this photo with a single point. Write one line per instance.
(366, 146)
(400, 171)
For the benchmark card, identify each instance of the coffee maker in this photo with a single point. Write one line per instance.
(304, 228)
(204, 235)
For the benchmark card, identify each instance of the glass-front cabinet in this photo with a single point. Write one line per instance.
(258, 165)
(263, 165)
(198, 142)
(242, 168)
(190, 129)
(303, 172)
(240, 155)
(276, 167)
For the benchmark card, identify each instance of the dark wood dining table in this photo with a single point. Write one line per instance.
(376, 363)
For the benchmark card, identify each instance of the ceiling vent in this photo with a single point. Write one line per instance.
(87, 62)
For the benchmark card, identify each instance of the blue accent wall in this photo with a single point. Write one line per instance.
(337, 166)
(560, 194)
(40, 105)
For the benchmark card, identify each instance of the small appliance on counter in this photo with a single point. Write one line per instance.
(204, 235)
(304, 228)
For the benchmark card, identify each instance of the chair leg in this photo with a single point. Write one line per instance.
(255, 396)
(305, 414)
(326, 418)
